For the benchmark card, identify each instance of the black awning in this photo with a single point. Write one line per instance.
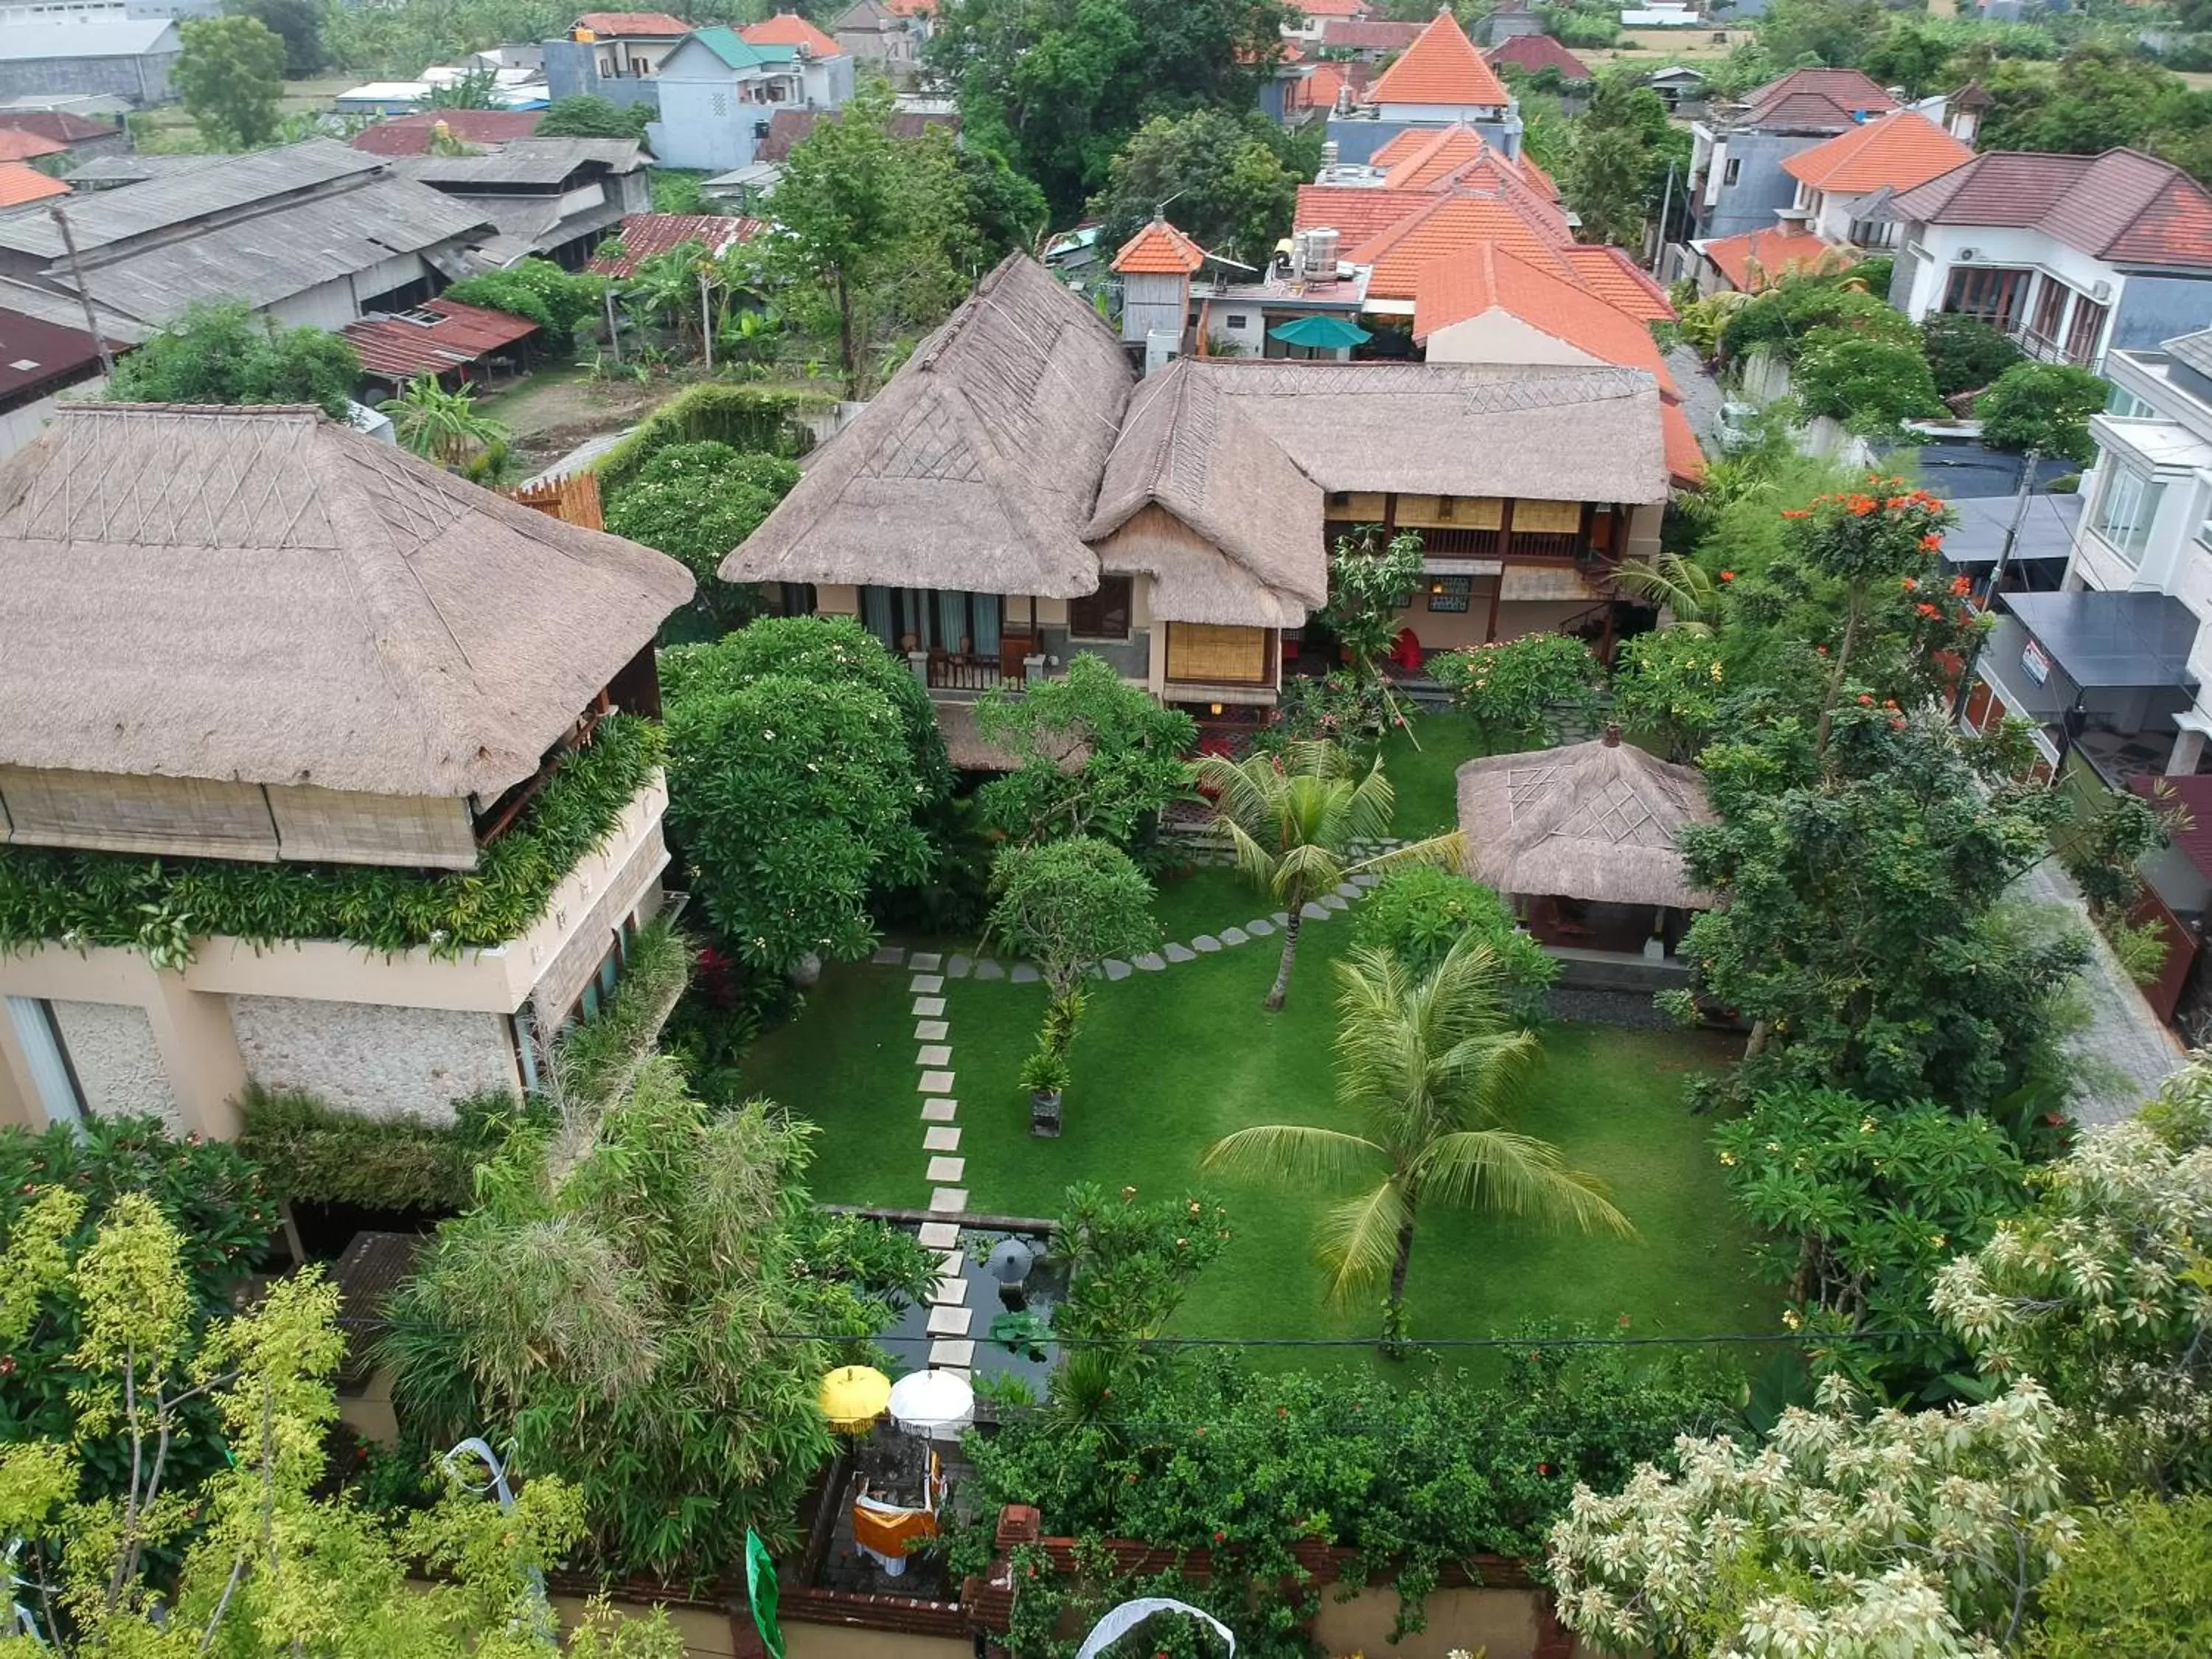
(2112, 642)
(2046, 529)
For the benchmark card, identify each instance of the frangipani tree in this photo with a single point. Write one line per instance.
(1430, 1064)
(1293, 819)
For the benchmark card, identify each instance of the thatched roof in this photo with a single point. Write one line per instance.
(1243, 546)
(976, 466)
(1593, 820)
(263, 595)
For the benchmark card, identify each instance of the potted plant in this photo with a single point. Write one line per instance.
(1045, 1074)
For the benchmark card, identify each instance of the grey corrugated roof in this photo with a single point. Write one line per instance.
(2191, 350)
(67, 311)
(235, 181)
(525, 161)
(287, 251)
(136, 167)
(99, 37)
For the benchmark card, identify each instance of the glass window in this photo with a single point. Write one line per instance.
(1450, 593)
(2127, 506)
(2125, 405)
(1103, 615)
(1237, 322)
(1733, 171)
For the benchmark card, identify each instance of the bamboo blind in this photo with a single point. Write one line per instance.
(112, 813)
(344, 826)
(1215, 656)
(1546, 518)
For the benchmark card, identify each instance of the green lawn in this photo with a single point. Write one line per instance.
(1169, 1062)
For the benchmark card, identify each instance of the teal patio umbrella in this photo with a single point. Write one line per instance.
(1319, 333)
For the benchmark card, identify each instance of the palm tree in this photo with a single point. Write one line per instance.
(1292, 819)
(441, 426)
(1430, 1064)
(1683, 586)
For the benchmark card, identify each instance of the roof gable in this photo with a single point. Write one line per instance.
(1830, 97)
(731, 49)
(1895, 152)
(1537, 53)
(1441, 67)
(20, 183)
(789, 29)
(2123, 205)
(1756, 259)
(1488, 278)
(1158, 249)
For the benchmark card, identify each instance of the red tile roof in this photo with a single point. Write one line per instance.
(1366, 35)
(1159, 250)
(1433, 155)
(1492, 278)
(633, 25)
(1610, 274)
(20, 184)
(16, 145)
(645, 235)
(1538, 178)
(1685, 456)
(1453, 224)
(1318, 90)
(1361, 215)
(458, 334)
(1332, 7)
(1441, 67)
(1895, 152)
(59, 125)
(1755, 259)
(1818, 100)
(789, 29)
(409, 135)
(1537, 53)
(2122, 206)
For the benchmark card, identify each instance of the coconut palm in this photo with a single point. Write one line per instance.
(1431, 1065)
(1293, 817)
(441, 426)
(1685, 588)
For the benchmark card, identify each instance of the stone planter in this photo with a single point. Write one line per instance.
(1044, 1113)
(806, 970)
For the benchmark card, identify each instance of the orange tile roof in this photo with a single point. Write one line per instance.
(16, 145)
(1438, 155)
(1361, 215)
(912, 7)
(1536, 175)
(1491, 278)
(1685, 456)
(1332, 7)
(1159, 250)
(20, 184)
(1772, 251)
(1441, 67)
(1454, 224)
(1318, 90)
(1895, 152)
(1611, 274)
(648, 25)
(789, 29)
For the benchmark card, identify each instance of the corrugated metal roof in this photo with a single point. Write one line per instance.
(409, 135)
(455, 334)
(645, 235)
(526, 161)
(34, 351)
(189, 193)
(87, 37)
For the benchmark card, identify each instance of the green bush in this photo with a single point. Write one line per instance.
(1515, 687)
(747, 418)
(319, 1154)
(1785, 316)
(557, 301)
(1868, 381)
(1419, 915)
(695, 502)
(2137, 1582)
(158, 905)
(1964, 353)
(2043, 407)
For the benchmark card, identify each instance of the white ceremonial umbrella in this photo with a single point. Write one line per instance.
(933, 1403)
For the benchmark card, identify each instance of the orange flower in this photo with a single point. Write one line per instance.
(1926, 609)
(1797, 513)
(1865, 700)
(1960, 586)
(1727, 575)
(1909, 585)
(1930, 542)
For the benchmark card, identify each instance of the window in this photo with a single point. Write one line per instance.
(2127, 506)
(53, 1074)
(722, 104)
(1994, 294)
(1450, 593)
(1733, 171)
(2127, 406)
(1103, 615)
(1872, 233)
(2085, 333)
(1235, 322)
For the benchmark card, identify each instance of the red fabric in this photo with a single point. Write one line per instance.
(1407, 653)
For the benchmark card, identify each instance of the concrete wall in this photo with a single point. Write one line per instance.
(1357, 137)
(142, 79)
(21, 424)
(380, 1062)
(117, 1058)
(571, 71)
(704, 124)
(1503, 1624)
(1497, 336)
(1760, 188)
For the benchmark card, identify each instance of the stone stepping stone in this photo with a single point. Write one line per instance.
(1205, 942)
(1115, 968)
(960, 1372)
(950, 1263)
(988, 969)
(950, 1321)
(946, 1169)
(930, 1031)
(939, 1235)
(1346, 891)
(938, 1111)
(1365, 879)
(924, 961)
(1150, 963)
(940, 1138)
(952, 1354)
(935, 1083)
(1181, 953)
(1259, 928)
(1281, 919)
(890, 956)
(934, 1054)
(958, 967)
(1235, 936)
(949, 1201)
(929, 1007)
(1023, 974)
(1313, 912)
(949, 1293)
(923, 985)
(1335, 902)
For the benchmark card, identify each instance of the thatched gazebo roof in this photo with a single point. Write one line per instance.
(1594, 821)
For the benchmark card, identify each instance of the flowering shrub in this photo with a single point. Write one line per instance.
(1668, 685)
(696, 502)
(1419, 915)
(1518, 686)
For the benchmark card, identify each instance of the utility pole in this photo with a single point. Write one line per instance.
(1666, 207)
(1997, 572)
(614, 337)
(706, 319)
(76, 276)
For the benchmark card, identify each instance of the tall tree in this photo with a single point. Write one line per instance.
(1093, 755)
(696, 502)
(230, 75)
(300, 24)
(1294, 818)
(1429, 1063)
(1837, 33)
(1221, 176)
(1623, 147)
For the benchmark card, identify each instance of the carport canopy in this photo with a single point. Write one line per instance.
(2112, 642)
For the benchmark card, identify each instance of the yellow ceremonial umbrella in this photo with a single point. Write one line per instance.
(854, 1396)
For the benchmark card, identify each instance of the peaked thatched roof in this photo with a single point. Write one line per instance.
(975, 467)
(1253, 555)
(1593, 820)
(263, 595)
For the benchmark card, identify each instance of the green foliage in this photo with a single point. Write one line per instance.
(229, 77)
(1067, 905)
(227, 354)
(323, 1154)
(799, 771)
(1518, 688)
(1367, 586)
(121, 899)
(1801, 308)
(1624, 145)
(1870, 383)
(1864, 1203)
(1417, 915)
(2098, 95)
(587, 115)
(1964, 353)
(443, 426)
(476, 89)
(697, 502)
(559, 302)
(2137, 1580)
(675, 189)
(1338, 707)
(301, 25)
(1668, 685)
(1837, 33)
(765, 419)
(1222, 173)
(2043, 408)
(1094, 756)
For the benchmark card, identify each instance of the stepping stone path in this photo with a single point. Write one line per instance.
(1181, 953)
(1205, 942)
(1115, 969)
(1152, 961)
(1234, 936)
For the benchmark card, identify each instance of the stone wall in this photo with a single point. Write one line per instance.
(117, 1062)
(376, 1060)
(565, 978)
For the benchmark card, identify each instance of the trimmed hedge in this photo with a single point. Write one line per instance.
(318, 1154)
(746, 417)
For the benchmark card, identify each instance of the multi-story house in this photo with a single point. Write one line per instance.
(556, 199)
(2073, 256)
(615, 55)
(720, 90)
(340, 696)
(1440, 81)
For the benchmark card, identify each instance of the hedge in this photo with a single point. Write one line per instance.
(319, 1154)
(747, 418)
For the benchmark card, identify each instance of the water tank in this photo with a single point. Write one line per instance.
(1322, 242)
(1329, 152)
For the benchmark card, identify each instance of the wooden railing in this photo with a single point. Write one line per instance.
(972, 673)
